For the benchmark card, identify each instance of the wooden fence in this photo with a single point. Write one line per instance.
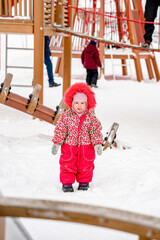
(146, 227)
(12, 8)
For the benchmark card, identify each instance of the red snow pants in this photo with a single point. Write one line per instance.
(76, 163)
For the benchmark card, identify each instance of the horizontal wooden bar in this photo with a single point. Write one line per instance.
(16, 26)
(53, 29)
(107, 55)
(139, 224)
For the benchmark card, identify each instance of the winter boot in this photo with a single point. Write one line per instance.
(146, 44)
(83, 186)
(67, 187)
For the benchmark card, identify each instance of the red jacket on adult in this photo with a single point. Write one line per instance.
(90, 57)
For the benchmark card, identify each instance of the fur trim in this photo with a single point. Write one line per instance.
(80, 87)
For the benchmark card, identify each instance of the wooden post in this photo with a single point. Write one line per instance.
(136, 5)
(101, 45)
(134, 40)
(124, 67)
(153, 59)
(2, 228)
(39, 44)
(67, 55)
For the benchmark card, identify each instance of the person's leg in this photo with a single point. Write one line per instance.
(94, 77)
(88, 76)
(49, 67)
(150, 14)
(85, 164)
(68, 160)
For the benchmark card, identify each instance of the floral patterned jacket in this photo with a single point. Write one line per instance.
(72, 130)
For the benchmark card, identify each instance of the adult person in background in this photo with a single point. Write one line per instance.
(48, 63)
(150, 14)
(91, 61)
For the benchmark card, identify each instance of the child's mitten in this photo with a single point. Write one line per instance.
(98, 149)
(55, 149)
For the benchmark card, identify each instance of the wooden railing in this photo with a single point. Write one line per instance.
(146, 227)
(13, 8)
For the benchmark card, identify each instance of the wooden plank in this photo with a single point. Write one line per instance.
(16, 26)
(20, 7)
(59, 13)
(34, 99)
(2, 228)
(6, 7)
(139, 224)
(5, 88)
(15, 7)
(10, 8)
(16, 29)
(30, 9)
(1, 7)
(25, 8)
(51, 31)
(19, 103)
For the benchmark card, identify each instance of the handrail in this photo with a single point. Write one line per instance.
(147, 227)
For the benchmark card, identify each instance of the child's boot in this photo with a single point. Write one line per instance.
(83, 186)
(67, 187)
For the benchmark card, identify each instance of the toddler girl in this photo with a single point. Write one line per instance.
(78, 132)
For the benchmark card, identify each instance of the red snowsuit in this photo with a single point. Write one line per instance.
(77, 137)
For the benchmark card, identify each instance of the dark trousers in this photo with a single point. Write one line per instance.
(92, 76)
(150, 14)
(49, 67)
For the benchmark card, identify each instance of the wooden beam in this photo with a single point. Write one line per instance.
(16, 26)
(149, 68)
(53, 29)
(134, 40)
(67, 57)
(118, 9)
(139, 224)
(102, 45)
(155, 66)
(39, 44)
(18, 102)
(2, 228)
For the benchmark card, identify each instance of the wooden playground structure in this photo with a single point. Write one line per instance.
(59, 19)
(56, 18)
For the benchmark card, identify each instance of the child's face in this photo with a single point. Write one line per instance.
(79, 107)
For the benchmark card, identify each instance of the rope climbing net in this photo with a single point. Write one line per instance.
(113, 21)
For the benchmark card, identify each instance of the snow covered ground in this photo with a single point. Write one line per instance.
(123, 179)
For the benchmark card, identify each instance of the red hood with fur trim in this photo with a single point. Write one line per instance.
(80, 87)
